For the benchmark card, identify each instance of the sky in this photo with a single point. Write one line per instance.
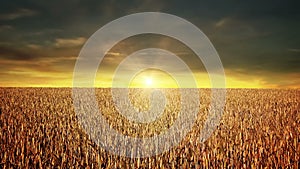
(258, 42)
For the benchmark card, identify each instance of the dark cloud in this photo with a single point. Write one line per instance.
(15, 54)
(19, 13)
(5, 27)
(139, 42)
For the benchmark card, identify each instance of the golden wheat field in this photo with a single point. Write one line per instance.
(260, 128)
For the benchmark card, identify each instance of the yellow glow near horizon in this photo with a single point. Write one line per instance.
(159, 79)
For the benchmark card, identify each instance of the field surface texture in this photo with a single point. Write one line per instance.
(259, 128)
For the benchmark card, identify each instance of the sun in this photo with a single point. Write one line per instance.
(152, 78)
(148, 81)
